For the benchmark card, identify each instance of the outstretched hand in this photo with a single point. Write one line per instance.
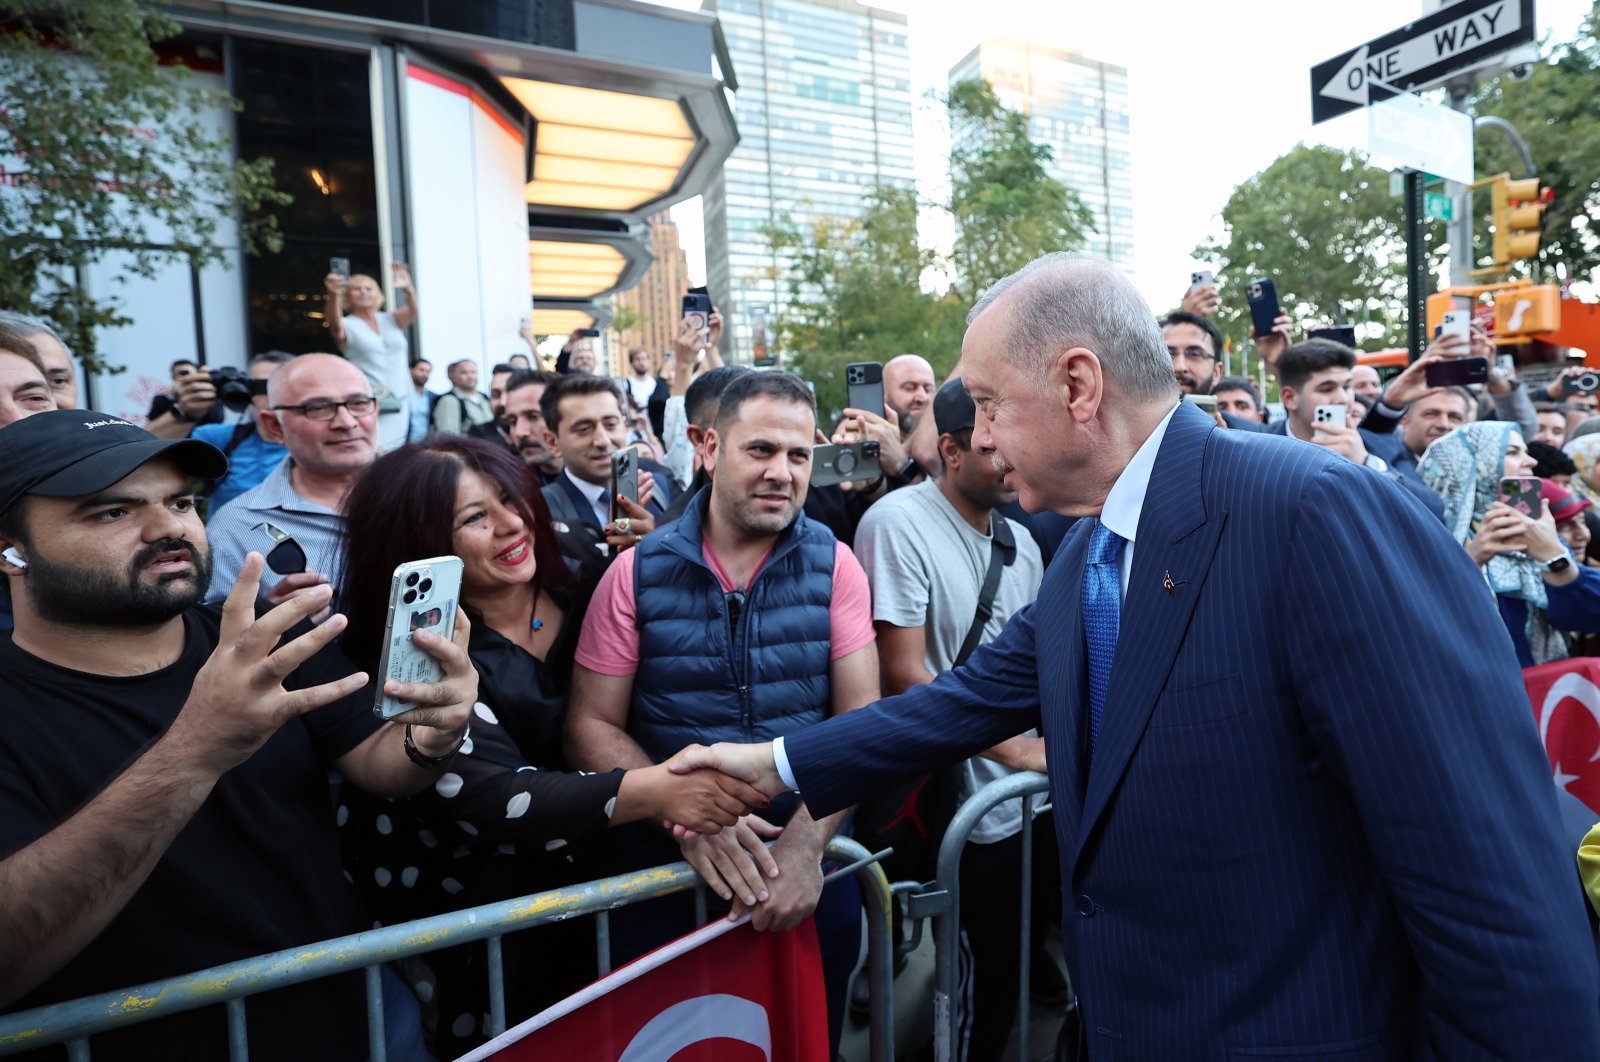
(749, 763)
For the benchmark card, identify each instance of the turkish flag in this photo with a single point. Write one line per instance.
(724, 993)
(1566, 706)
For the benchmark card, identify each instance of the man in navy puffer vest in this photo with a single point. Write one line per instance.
(741, 621)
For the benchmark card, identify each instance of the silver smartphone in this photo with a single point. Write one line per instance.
(1457, 323)
(1336, 414)
(1201, 277)
(423, 595)
(844, 463)
(340, 266)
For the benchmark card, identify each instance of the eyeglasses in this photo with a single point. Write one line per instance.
(287, 557)
(321, 409)
(1191, 354)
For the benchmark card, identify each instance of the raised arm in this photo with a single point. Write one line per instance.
(405, 313)
(64, 888)
(333, 306)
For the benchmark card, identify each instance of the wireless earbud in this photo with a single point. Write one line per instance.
(14, 557)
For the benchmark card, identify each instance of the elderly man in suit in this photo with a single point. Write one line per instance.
(1285, 831)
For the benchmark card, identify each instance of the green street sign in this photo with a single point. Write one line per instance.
(1438, 206)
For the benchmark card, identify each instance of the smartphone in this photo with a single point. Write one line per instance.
(1506, 364)
(1262, 295)
(340, 266)
(1457, 372)
(524, 323)
(847, 463)
(1205, 402)
(1585, 383)
(1344, 335)
(422, 596)
(624, 478)
(1522, 494)
(1201, 277)
(863, 382)
(1337, 415)
(1457, 323)
(697, 308)
(589, 333)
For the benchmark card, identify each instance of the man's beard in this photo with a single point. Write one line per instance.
(85, 597)
(1190, 384)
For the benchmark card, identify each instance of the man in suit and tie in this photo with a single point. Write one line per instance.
(585, 425)
(1286, 831)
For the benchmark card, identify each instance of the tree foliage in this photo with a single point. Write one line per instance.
(858, 289)
(1554, 110)
(1321, 223)
(108, 151)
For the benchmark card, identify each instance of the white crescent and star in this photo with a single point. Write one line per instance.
(693, 1021)
(1585, 693)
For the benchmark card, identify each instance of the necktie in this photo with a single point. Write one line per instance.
(602, 508)
(1102, 618)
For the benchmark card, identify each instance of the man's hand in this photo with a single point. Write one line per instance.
(1412, 382)
(735, 861)
(1272, 345)
(864, 424)
(294, 585)
(1557, 388)
(1342, 440)
(1202, 299)
(196, 396)
(750, 763)
(443, 707)
(793, 893)
(703, 802)
(237, 700)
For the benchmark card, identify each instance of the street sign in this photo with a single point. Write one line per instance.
(1439, 206)
(1419, 54)
(1409, 131)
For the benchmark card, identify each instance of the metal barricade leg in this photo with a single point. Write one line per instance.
(238, 1040)
(1025, 928)
(497, 988)
(377, 1041)
(78, 1050)
(602, 942)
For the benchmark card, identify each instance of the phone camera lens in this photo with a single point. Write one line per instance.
(409, 597)
(427, 585)
(411, 580)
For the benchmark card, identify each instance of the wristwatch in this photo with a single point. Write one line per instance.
(1556, 565)
(1376, 463)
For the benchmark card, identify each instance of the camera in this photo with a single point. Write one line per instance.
(1585, 383)
(235, 387)
(848, 463)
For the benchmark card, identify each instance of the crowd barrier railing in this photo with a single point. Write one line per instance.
(941, 900)
(230, 985)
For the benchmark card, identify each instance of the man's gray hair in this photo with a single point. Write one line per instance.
(27, 326)
(1060, 301)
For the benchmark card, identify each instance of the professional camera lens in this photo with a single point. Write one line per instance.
(411, 579)
(409, 597)
(234, 387)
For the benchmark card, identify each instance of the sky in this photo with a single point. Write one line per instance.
(1218, 90)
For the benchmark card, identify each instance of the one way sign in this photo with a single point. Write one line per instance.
(1419, 54)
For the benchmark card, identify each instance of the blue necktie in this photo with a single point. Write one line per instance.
(603, 504)
(1102, 618)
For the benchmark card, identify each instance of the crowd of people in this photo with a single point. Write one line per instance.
(199, 607)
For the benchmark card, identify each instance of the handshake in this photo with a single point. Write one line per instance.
(705, 789)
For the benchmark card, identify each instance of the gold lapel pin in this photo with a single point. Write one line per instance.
(1166, 582)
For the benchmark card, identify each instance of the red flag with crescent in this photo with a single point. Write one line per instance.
(1566, 707)
(724, 993)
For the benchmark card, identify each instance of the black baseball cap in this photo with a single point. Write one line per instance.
(953, 408)
(67, 453)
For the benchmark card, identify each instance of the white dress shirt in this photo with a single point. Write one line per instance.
(593, 492)
(1120, 513)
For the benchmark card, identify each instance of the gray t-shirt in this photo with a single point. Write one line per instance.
(926, 565)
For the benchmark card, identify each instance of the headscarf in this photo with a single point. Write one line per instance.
(1465, 468)
(1585, 454)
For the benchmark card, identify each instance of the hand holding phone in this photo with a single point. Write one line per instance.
(1457, 372)
(1522, 493)
(624, 478)
(422, 596)
(864, 386)
(1334, 414)
(340, 266)
(697, 313)
(1262, 296)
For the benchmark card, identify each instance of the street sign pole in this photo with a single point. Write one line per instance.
(1461, 262)
(1416, 267)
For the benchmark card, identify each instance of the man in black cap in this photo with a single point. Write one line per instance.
(163, 781)
(947, 571)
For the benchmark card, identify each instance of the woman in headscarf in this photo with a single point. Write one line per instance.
(1541, 591)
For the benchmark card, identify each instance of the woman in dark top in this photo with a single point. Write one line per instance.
(506, 818)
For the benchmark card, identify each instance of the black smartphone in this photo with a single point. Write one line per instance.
(863, 381)
(1262, 295)
(1345, 335)
(1584, 383)
(1457, 372)
(589, 333)
(624, 478)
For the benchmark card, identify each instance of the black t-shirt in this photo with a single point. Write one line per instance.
(255, 870)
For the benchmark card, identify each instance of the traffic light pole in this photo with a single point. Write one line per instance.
(1416, 267)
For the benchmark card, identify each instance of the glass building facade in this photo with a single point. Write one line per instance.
(824, 113)
(1079, 107)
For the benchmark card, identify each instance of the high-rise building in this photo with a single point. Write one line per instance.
(1079, 107)
(656, 301)
(824, 111)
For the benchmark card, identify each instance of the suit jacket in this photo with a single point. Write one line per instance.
(1301, 834)
(569, 506)
(1391, 449)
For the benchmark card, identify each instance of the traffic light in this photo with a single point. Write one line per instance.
(1519, 207)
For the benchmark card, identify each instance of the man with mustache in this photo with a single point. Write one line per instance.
(742, 619)
(164, 781)
(525, 424)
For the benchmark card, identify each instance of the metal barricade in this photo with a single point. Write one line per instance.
(74, 1021)
(942, 901)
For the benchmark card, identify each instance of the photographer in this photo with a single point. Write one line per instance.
(375, 342)
(251, 455)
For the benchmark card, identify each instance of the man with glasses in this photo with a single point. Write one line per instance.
(1195, 346)
(323, 409)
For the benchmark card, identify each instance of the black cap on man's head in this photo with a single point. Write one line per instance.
(68, 453)
(953, 408)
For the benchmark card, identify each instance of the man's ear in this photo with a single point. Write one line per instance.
(1078, 380)
(951, 452)
(1290, 398)
(713, 447)
(551, 442)
(269, 426)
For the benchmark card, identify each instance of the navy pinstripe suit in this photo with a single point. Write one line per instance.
(1305, 833)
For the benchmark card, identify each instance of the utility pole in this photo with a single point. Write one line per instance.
(1460, 231)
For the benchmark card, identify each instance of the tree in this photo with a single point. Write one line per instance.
(112, 154)
(854, 293)
(1554, 111)
(1322, 224)
(1008, 209)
